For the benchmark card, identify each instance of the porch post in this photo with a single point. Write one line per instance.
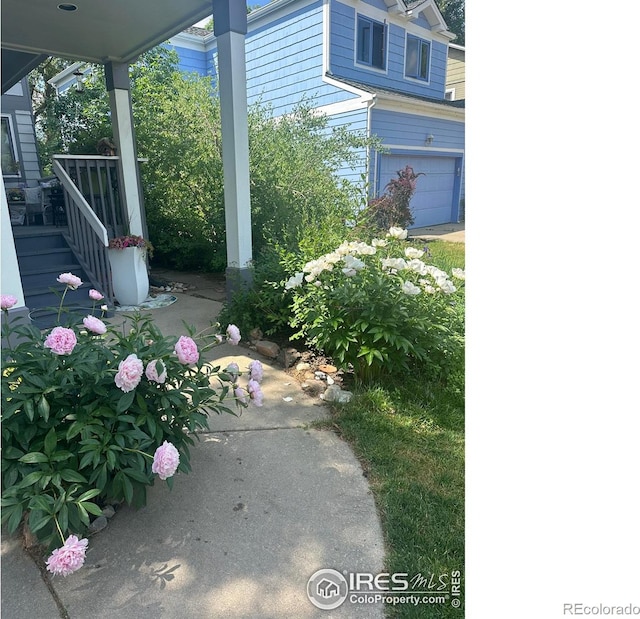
(10, 273)
(230, 27)
(118, 87)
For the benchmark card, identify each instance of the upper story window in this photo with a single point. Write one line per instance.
(371, 43)
(417, 58)
(10, 163)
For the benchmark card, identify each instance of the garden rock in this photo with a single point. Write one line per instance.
(315, 387)
(255, 334)
(301, 367)
(97, 525)
(288, 357)
(268, 349)
(335, 394)
(108, 511)
(328, 369)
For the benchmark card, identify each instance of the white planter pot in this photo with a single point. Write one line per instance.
(129, 275)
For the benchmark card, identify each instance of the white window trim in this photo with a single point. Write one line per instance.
(14, 147)
(368, 67)
(453, 94)
(416, 80)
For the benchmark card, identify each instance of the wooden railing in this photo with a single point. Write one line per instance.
(96, 178)
(88, 236)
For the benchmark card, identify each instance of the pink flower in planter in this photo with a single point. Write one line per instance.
(129, 373)
(256, 371)
(234, 335)
(94, 325)
(69, 558)
(95, 295)
(152, 371)
(253, 387)
(7, 301)
(70, 280)
(61, 341)
(165, 460)
(186, 350)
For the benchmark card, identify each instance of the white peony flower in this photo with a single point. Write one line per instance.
(379, 243)
(412, 252)
(459, 273)
(353, 263)
(418, 266)
(294, 282)
(410, 288)
(397, 233)
(349, 272)
(394, 264)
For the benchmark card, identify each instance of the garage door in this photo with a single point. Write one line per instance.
(432, 201)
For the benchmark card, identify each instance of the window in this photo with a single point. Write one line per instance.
(371, 42)
(417, 58)
(10, 163)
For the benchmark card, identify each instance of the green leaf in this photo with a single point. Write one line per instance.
(72, 476)
(50, 441)
(29, 409)
(82, 512)
(37, 520)
(128, 489)
(125, 401)
(43, 408)
(30, 479)
(12, 453)
(63, 518)
(89, 494)
(14, 517)
(92, 508)
(34, 457)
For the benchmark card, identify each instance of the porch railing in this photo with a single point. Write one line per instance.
(87, 235)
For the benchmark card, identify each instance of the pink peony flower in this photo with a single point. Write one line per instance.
(95, 295)
(61, 341)
(68, 559)
(129, 373)
(256, 371)
(165, 460)
(187, 350)
(95, 325)
(241, 395)
(70, 280)
(234, 335)
(233, 369)
(253, 387)
(152, 371)
(7, 301)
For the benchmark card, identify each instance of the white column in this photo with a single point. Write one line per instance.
(118, 87)
(11, 282)
(235, 148)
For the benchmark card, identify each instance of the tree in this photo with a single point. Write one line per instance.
(453, 13)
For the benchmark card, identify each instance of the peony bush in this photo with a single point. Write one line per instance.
(91, 414)
(378, 308)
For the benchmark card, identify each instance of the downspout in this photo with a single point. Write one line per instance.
(370, 104)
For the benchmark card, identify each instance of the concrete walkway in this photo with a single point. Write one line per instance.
(269, 501)
(454, 233)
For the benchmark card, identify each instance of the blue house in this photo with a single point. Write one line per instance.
(378, 66)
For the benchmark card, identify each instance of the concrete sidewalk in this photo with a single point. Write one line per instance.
(269, 502)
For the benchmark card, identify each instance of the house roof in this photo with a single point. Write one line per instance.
(117, 30)
(377, 90)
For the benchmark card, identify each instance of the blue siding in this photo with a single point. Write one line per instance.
(411, 129)
(355, 121)
(343, 28)
(190, 61)
(284, 62)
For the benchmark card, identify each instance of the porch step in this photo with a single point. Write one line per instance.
(43, 254)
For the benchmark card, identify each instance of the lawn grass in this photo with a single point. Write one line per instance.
(409, 436)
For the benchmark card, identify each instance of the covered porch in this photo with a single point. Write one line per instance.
(103, 195)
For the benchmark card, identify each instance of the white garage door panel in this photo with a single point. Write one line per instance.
(433, 198)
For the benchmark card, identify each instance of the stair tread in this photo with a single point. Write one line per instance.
(42, 252)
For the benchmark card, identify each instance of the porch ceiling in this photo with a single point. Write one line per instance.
(98, 31)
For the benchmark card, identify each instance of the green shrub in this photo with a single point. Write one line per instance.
(377, 308)
(81, 420)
